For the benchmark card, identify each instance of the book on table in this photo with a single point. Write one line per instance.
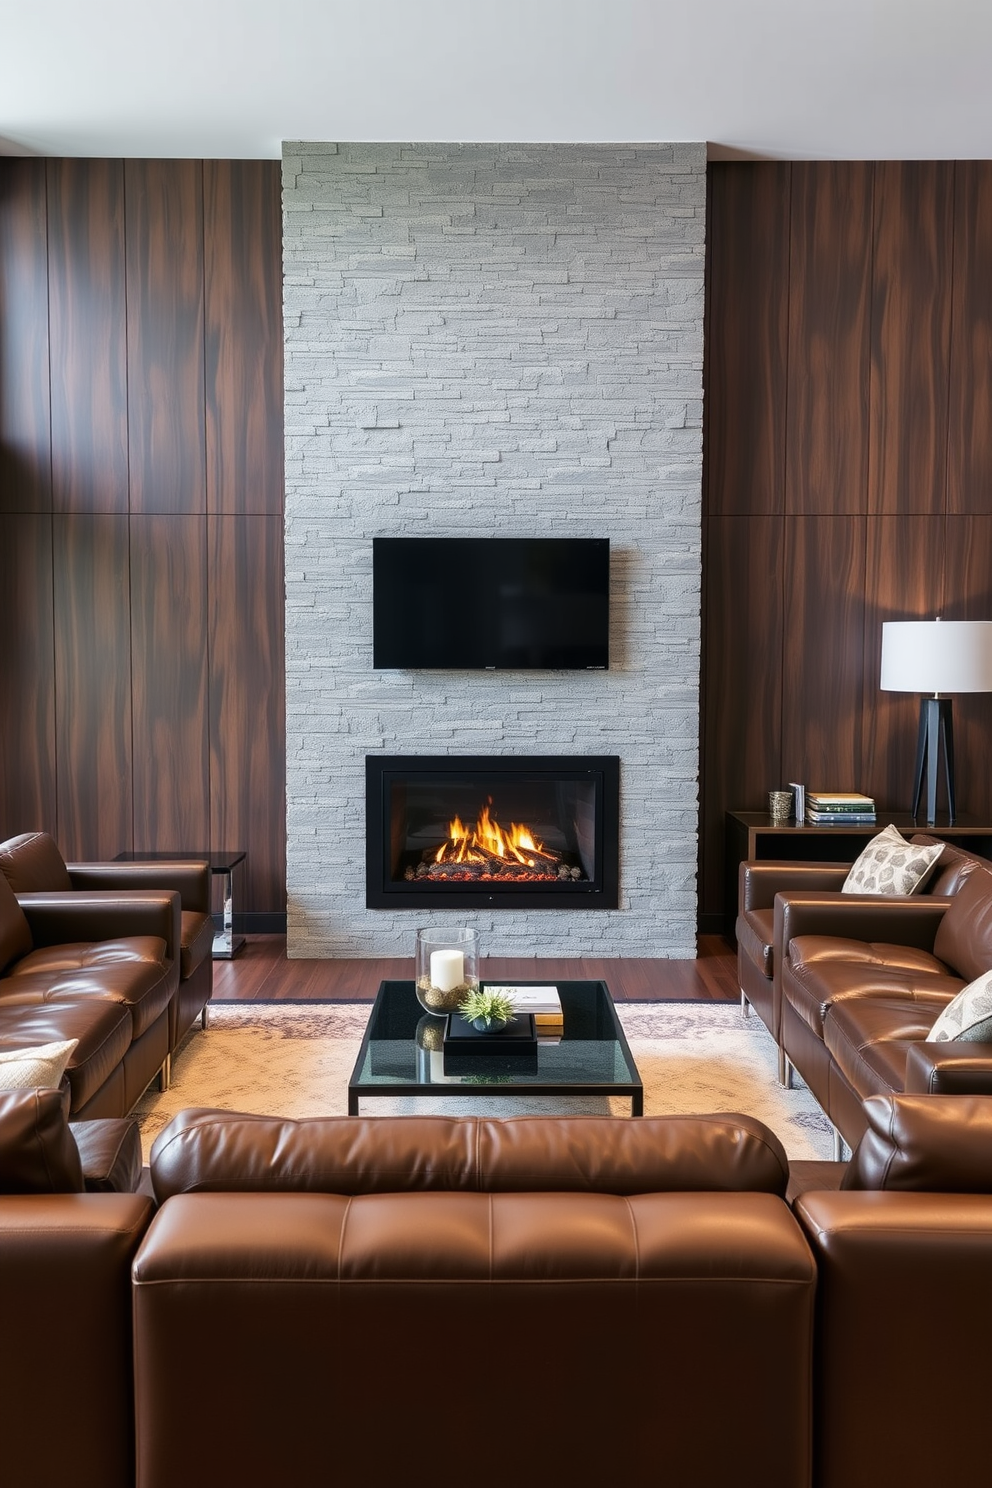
(839, 801)
(841, 818)
(543, 1002)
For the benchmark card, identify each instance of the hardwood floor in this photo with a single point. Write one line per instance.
(262, 972)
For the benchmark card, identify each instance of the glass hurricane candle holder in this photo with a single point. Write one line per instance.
(447, 968)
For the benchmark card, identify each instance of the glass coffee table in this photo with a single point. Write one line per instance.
(401, 1053)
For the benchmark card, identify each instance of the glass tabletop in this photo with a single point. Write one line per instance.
(402, 1053)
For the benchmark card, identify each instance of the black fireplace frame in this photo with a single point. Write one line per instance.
(600, 892)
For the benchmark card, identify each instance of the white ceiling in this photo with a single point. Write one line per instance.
(834, 79)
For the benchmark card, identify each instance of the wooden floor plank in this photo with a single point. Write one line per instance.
(262, 971)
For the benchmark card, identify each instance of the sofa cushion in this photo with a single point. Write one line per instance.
(924, 1143)
(813, 986)
(969, 1016)
(32, 863)
(891, 865)
(132, 972)
(964, 936)
(42, 1065)
(37, 1151)
(869, 1040)
(101, 1025)
(15, 932)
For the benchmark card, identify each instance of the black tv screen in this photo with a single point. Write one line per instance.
(491, 602)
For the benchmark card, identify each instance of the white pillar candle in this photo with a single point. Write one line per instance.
(447, 970)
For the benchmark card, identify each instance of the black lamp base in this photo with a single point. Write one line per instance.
(936, 727)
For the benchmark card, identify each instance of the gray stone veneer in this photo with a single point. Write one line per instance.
(492, 340)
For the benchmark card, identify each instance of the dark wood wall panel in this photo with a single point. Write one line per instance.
(248, 697)
(911, 318)
(905, 581)
(27, 674)
(93, 685)
(169, 654)
(242, 206)
(826, 468)
(969, 446)
(822, 651)
(747, 320)
(968, 596)
(742, 679)
(88, 335)
(25, 422)
(887, 512)
(166, 414)
(108, 744)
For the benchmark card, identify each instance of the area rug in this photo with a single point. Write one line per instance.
(294, 1059)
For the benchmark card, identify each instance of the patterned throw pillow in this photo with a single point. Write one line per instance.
(22, 1069)
(968, 1017)
(891, 865)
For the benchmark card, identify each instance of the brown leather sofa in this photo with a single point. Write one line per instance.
(553, 1300)
(98, 967)
(759, 934)
(32, 863)
(859, 980)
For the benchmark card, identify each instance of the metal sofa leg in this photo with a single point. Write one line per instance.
(165, 1073)
(784, 1069)
(204, 1016)
(745, 1005)
(840, 1147)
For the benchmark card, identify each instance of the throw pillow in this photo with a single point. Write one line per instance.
(20, 1069)
(891, 865)
(968, 1017)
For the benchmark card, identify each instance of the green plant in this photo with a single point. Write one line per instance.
(487, 1009)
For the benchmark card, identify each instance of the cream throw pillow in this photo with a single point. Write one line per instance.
(23, 1069)
(969, 1016)
(891, 865)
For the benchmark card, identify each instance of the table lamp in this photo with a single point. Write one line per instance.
(936, 657)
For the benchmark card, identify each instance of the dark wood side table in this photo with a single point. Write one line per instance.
(226, 943)
(754, 836)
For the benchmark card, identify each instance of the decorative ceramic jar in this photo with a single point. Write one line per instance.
(447, 968)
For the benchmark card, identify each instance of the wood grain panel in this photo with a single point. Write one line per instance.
(88, 335)
(164, 241)
(243, 320)
(968, 596)
(169, 650)
(969, 450)
(911, 303)
(905, 581)
(27, 675)
(746, 342)
(25, 423)
(93, 685)
(826, 467)
(822, 669)
(741, 746)
(247, 702)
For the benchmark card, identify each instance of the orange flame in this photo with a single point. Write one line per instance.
(518, 843)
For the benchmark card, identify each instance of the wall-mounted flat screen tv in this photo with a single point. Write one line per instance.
(514, 603)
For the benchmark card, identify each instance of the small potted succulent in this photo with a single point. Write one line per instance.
(488, 1012)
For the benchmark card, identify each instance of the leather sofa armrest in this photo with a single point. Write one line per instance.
(69, 917)
(911, 921)
(760, 882)
(110, 1153)
(190, 880)
(949, 1069)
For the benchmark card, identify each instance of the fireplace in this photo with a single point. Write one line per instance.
(495, 832)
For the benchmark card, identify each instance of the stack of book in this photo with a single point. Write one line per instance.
(839, 808)
(543, 1002)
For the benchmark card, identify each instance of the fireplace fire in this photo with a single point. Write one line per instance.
(500, 831)
(487, 853)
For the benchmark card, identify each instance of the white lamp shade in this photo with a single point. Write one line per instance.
(937, 656)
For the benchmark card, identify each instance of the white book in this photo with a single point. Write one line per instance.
(531, 999)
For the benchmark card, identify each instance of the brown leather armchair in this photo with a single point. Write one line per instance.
(32, 863)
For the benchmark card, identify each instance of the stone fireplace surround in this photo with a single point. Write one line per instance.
(492, 340)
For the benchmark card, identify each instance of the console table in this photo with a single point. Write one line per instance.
(754, 835)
